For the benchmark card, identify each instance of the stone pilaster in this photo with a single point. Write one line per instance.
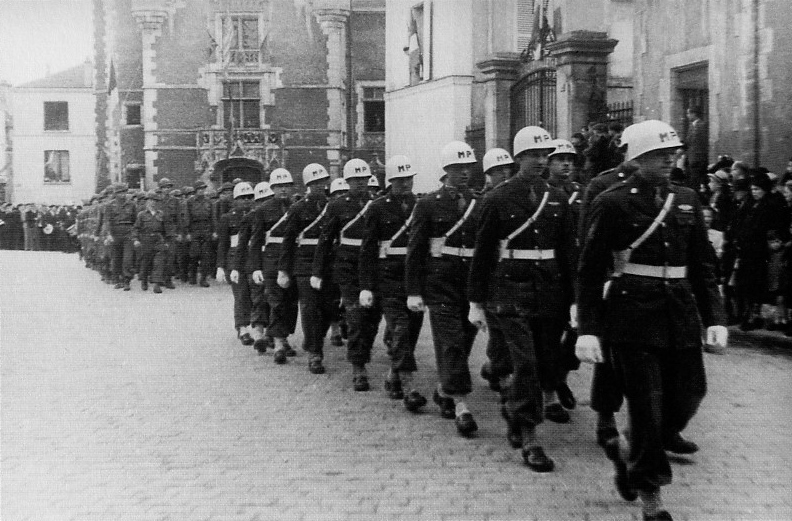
(500, 71)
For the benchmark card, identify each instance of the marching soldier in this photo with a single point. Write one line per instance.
(241, 267)
(338, 188)
(199, 234)
(381, 272)
(183, 247)
(522, 268)
(440, 247)
(300, 237)
(150, 236)
(373, 186)
(652, 235)
(498, 166)
(337, 255)
(228, 248)
(268, 229)
(119, 219)
(170, 206)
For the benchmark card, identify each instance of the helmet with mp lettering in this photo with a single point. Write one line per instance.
(496, 157)
(242, 189)
(648, 136)
(339, 185)
(532, 138)
(373, 182)
(398, 166)
(280, 176)
(457, 153)
(356, 168)
(563, 147)
(314, 172)
(262, 191)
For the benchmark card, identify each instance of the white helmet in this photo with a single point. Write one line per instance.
(532, 138)
(262, 190)
(647, 136)
(280, 176)
(338, 185)
(563, 147)
(356, 168)
(496, 157)
(314, 172)
(373, 181)
(457, 153)
(242, 189)
(398, 166)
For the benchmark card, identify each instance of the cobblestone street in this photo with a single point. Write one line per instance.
(134, 406)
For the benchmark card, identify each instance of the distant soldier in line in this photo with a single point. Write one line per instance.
(150, 236)
(171, 207)
(442, 236)
(650, 234)
(374, 186)
(228, 248)
(183, 247)
(300, 237)
(119, 218)
(268, 228)
(381, 273)
(199, 233)
(222, 201)
(337, 254)
(522, 269)
(242, 268)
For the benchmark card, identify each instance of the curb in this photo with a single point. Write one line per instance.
(760, 338)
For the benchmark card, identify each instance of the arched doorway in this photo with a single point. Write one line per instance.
(226, 170)
(533, 101)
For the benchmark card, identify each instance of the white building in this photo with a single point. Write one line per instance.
(454, 71)
(5, 140)
(54, 159)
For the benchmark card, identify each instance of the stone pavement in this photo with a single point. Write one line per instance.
(134, 406)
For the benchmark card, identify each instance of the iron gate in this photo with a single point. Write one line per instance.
(533, 101)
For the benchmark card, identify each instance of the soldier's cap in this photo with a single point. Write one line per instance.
(121, 187)
(187, 190)
(165, 183)
(175, 193)
(155, 196)
(227, 187)
(199, 184)
(235, 182)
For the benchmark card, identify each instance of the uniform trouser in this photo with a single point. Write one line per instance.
(122, 257)
(453, 337)
(362, 325)
(182, 259)
(534, 346)
(282, 305)
(168, 261)
(200, 256)
(404, 327)
(497, 348)
(242, 301)
(212, 258)
(259, 307)
(152, 258)
(664, 390)
(606, 388)
(316, 312)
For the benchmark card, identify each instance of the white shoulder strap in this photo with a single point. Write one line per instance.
(356, 218)
(460, 222)
(531, 219)
(315, 221)
(657, 221)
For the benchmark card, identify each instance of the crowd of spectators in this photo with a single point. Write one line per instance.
(38, 227)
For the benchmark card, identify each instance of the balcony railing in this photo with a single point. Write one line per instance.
(244, 58)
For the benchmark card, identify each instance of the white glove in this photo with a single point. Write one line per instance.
(573, 323)
(283, 279)
(109, 240)
(220, 275)
(258, 277)
(588, 349)
(234, 276)
(366, 298)
(136, 244)
(415, 303)
(316, 283)
(476, 316)
(717, 336)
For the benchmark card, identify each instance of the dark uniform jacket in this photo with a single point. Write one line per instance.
(383, 220)
(303, 223)
(267, 219)
(198, 216)
(171, 210)
(651, 312)
(150, 227)
(441, 278)
(338, 250)
(595, 187)
(228, 240)
(119, 217)
(241, 261)
(539, 287)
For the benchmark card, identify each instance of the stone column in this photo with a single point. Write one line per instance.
(500, 71)
(149, 20)
(333, 16)
(582, 78)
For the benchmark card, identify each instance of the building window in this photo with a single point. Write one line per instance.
(241, 45)
(241, 100)
(56, 166)
(56, 115)
(415, 44)
(132, 114)
(373, 109)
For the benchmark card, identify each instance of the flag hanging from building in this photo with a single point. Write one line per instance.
(111, 80)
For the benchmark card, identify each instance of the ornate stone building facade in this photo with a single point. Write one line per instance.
(235, 88)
